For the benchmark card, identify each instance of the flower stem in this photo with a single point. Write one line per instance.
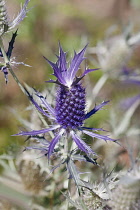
(66, 151)
(23, 89)
(7, 63)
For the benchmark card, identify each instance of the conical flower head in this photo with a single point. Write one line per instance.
(70, 106)
(70, 100)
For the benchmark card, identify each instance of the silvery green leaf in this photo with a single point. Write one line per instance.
(20, 16)
(74, 173)
(84, 158)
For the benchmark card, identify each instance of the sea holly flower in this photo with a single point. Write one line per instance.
(5, 24)
(69, 113)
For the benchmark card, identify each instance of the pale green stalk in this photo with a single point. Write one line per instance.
(66, 148)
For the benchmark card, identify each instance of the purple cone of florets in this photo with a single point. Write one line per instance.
(69, 112)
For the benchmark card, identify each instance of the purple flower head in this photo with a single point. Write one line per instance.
(69, 112)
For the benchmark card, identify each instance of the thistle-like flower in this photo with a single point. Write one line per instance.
(69, 113)
(127, 194)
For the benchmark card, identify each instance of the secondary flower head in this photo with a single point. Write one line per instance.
(5, 24)
(69, 112)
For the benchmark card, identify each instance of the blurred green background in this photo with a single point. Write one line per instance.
(72, 22)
